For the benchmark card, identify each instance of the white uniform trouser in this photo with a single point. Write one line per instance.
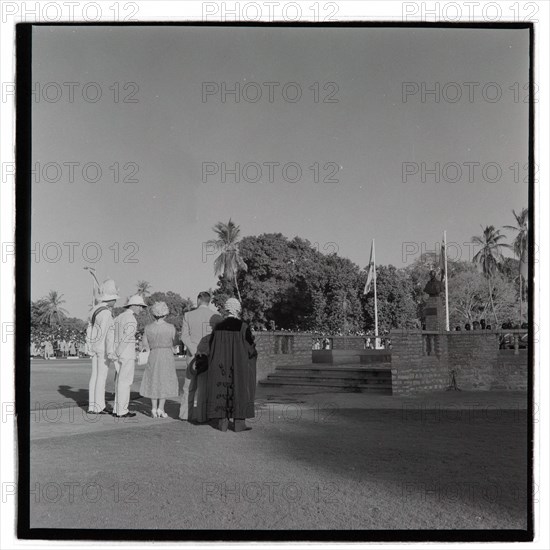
(124, 378)
(96, 388)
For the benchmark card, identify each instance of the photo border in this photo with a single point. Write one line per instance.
(23, 204)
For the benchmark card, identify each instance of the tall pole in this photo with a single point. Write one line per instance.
(375, 298)
(446, 283)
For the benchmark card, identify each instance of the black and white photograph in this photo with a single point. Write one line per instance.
(275, 280)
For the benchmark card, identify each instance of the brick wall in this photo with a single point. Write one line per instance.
(423, 361)
(473, 355)
(511, 371)
(413, 370)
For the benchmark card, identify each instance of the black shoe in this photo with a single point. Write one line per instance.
(127, 415)
(240, 426)
(222, 425)
(105, 411)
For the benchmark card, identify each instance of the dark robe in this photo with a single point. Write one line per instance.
(231, 385)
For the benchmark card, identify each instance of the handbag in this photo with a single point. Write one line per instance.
(143, 357)
(201, 363)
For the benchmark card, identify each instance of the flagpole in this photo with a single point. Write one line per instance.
(446, 283)
(375, 298)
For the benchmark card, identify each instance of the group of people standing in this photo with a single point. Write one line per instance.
(61, 348)
(220, 379)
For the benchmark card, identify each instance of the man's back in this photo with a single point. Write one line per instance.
(196, 328)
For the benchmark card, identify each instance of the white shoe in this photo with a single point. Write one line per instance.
(154, 413)
(161, 414)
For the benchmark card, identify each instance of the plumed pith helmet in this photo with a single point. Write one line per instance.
(108, 291)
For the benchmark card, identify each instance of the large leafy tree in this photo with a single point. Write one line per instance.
(396, 299)
(229, 262)
(292, 285)
(273, 265)
(489, 257)
(341, 296)
(469, 297)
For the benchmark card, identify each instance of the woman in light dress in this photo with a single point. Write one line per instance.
(159, 379)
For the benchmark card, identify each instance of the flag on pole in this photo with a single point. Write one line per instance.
(370, 272)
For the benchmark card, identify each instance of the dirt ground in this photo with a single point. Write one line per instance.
(450, 460)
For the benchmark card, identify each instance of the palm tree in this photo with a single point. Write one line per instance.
(51, 310)
(489, 256)
(229, 261)
(519, 246)
(143, 288)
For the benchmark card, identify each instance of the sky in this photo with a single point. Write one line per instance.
(154, 127)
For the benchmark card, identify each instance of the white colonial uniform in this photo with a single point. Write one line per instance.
(125, 350)
(102, 345)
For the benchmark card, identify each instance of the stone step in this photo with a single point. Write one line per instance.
(339, 359)
(295, 378)
(329, 384)
(337, 368)
(379, 358)
(333, 374)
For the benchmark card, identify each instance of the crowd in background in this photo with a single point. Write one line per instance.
(61, 345)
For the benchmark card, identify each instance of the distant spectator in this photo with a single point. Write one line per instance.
(467, 326)
(488, 327)
(458, 327)
(482, 324)
(476, 325)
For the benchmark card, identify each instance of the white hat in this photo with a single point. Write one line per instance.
(136, 300)
(108, 291)
(233, 306)
(160, 309)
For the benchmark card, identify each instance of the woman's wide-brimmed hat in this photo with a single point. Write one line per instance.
(136, 300)
(108, 291)
(160, 309)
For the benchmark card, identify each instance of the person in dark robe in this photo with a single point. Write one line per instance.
(231, 383)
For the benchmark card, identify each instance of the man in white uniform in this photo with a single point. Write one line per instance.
(125, 351)
(101, 346)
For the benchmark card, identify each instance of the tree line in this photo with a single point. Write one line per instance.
(288, 284)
